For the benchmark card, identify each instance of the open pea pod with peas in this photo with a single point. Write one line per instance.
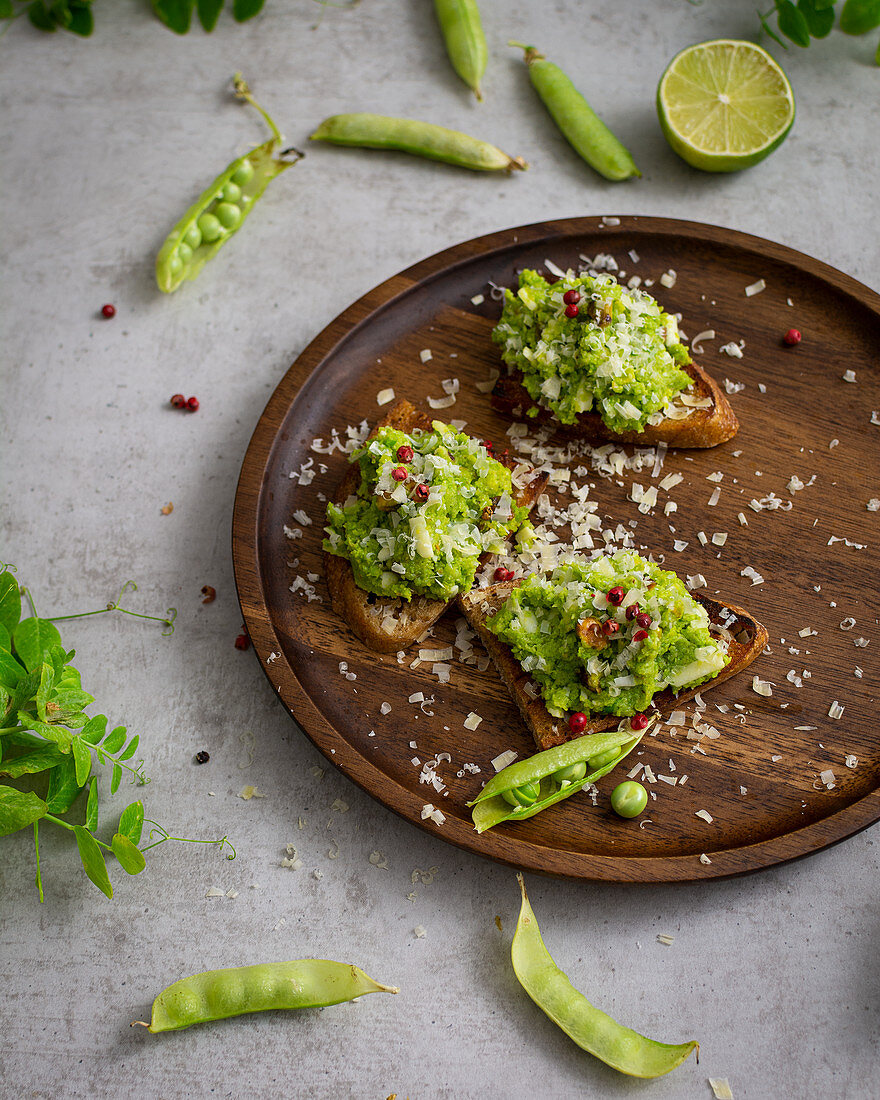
(526, 787)
(220, 210)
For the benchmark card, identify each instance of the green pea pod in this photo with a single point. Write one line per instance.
(222, 208)
(490, 807)
(465, 42)
(422, 139)
(217, 994)
(580, 125)
(592, 1029)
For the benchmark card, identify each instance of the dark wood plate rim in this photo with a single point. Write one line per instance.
(332, 743)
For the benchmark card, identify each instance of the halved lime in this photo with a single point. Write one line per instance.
(724, 105)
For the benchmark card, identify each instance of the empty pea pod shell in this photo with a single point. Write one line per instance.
(422, 139)
(491, 808)
(578, 122)
(592, 1029)
(218, 994)
(465, 42)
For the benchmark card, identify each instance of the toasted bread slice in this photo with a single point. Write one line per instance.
(705, 427)
(748, 638)
(389, 625)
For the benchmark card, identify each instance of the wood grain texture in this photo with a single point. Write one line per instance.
(819, 557)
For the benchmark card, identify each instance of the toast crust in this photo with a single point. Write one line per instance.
(388, 625)
(749, 638)
(703, 428)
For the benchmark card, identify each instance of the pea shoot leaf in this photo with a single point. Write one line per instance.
(18, 809)
(114, 740)
(63, 787)
(91, 821)
(131, 822)
(130, 748)
(11, 670)
(59, 735)
(34, 762)
(10, 600)
(6, 10)
(82, 758)
(208, 11)
(131, 858)
(93, 730)
(81, 20)
(93, 860)
(31, 637)
(859, 16)
(175, 14)
(116, 779)
(819, 17)
(242, 10)
(792, 23)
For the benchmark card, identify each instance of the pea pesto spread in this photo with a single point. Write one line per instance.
(587, 344)
(428, 505)
(603, 636)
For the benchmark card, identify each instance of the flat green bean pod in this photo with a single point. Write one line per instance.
(580, 125)
(600, 752)
(465, 42)
(217, 994)
(592, 1029)
(422, 139)
(221, 209)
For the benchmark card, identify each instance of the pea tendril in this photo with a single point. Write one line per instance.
(164, 835)
(167, 619)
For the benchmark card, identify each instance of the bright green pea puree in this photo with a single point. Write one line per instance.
(401, 546)
(539, 622)
(620, 357)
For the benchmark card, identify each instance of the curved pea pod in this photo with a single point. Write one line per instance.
(465, 42)
(218, 213)
(422, 139)
(493, 804)
(592, 1029)
(579, 124)
(217, 994)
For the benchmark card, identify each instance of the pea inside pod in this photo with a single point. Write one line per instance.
(592, 1029)
(222, 207)
(580, 125)
(218, 994)
(558, 773)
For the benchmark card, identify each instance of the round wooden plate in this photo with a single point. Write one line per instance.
(803, 422)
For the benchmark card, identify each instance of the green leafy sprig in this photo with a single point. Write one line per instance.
(49, 746)
(76, 15)
(805, 20)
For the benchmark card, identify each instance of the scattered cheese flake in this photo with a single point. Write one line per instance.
(340, 806)
(851, 761)
(732, 349)
(478, 299)
(827, 778)
(665, 939)
(752, 574)
(705, 816)
(704, 858)
(250, 792)
(426, 355)
(503, 759)
(384, 396)
(708, 334)
(214, 892)
(489, 384)
(377, 859)
(719, 538)
(849, 376)
(420, 932)
(670, 481)
(835, 710)
(762, 687)
(873, 504)
(743, 522)
(668, 278)
(720, 1088)
(755, 288)
(697, 581)
(385, 708)
(714, 498)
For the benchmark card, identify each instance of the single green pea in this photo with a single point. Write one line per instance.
(184, 252)
(231, 192)
(175, 264)
(573, 772)
(628, 799)
(523, 795)
(228, 214)
(603, 758)
(243, 173)
(210, 227)
(193, 237)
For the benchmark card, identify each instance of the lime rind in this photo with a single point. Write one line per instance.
(724, 105)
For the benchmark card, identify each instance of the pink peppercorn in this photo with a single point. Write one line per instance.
(638, 721)
(792, 337)
(399, 473)
(577, 722)
(108, 311)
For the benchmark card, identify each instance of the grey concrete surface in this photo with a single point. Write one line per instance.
(105, 142)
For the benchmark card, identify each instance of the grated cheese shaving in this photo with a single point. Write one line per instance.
(384, 396)
(503, 759)
(720, 1088)
(426, 355)
(755, 288)
(705, 816)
